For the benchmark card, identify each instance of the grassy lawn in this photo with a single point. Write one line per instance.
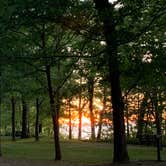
(73, 151)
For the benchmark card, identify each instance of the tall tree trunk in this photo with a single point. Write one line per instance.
(158, 118)
(54, 103)
(141, 114)
(37, 120)
(127, 117)
(158, 114)
(24, 133)
(56, 125)
(13, 117)
(105, 10)
(40, 128)
(80, 119)
(80, 113)
(54, 106)
(91, 91)
(120, 148)
(160, 109)
(100, 126)
(70, 127)
(0, 121)
(101, 114)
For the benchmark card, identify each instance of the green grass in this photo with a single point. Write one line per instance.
(73, 151)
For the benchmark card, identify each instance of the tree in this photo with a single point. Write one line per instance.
(141, 114)
(90, 94)
(70, 123)
(55, 106)
(80, 112)
(105, 10)
(40, 46)
(122, 25)
(38, 34)
(24, 132)
(38, 104)
(102, 113)
(13, 117)
(0, 118)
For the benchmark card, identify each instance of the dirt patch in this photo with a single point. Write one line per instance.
(25, 162)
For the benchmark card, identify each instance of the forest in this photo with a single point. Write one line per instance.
(84, 70)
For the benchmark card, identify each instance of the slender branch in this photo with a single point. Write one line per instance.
(19, 32)
(133, 85)
(65, 79)
(143, 30)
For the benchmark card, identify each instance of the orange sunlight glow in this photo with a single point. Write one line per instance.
(72, 111)
(85, 121)
(75, 121)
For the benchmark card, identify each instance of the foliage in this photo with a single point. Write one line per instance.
(68, 36)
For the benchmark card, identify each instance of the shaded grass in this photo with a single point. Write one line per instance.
(73, 151)
(145, 153)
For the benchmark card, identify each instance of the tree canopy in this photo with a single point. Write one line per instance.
(68, 49)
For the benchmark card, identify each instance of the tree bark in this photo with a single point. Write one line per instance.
(13, 118)
(80, 113)
(120, 147)
(101, 115)
(91, 91)
(100, 126)
(24, 133)
(54, 106)
(105, 10)
(0, 121)
(40, 128)
(70, 125)
(54, 101)
(158, 114)
(37, 120)
(141, 114)
(127, 117)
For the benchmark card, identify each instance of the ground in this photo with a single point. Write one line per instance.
(21, 162)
